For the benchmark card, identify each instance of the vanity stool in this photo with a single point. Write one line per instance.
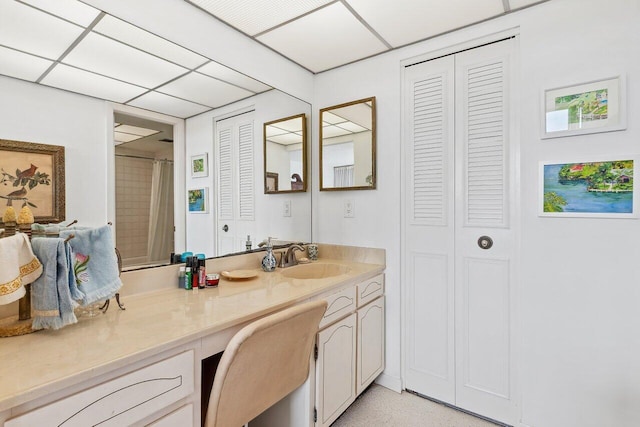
(265, 361)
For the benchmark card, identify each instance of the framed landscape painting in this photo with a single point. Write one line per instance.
(588, 189)
(198, 200)
(32, 174)
(584, 108)
(199, 166)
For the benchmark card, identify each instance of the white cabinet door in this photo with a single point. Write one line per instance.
(370, 361)
(335, 370)
(180, 417)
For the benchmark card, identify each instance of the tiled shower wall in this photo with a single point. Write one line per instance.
(133, 195)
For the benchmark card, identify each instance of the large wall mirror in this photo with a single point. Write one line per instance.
(348, 146)
(285, 155)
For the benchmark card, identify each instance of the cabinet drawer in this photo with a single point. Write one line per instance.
(121, 401)
(339, 305)
(370, 289)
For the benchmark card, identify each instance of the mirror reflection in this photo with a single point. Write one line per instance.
(144, 190)
(285, 147)
(347, 146)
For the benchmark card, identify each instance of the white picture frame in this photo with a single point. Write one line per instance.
(199, 166)
(592, 107)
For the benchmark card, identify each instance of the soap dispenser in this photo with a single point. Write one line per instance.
(269, 260)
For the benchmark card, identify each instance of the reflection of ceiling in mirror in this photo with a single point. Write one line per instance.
(347, 120)
(75, 47)
(287, 132)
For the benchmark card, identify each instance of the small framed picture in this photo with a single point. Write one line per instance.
(601, 188)
(198, 200)
(199, 166)
(271, 182)
(591, 107)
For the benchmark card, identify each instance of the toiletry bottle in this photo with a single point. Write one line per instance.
(181, 275)
(195, 268)
(187, 277)
(248, 243)
(202, 275)
(269, 260)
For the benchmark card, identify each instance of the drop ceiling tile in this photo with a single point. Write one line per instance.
(518, 4)
(324, 39)
(287, 139)
(71, 10)
(30, 30)
(124, 137)
(144, 40)
(166, 104)
(333, 131)
(352, 127)
(105, 56)
(255, 16)
(226, 74)
(136, 130)
(22, 65)
(84, 82)
(204, 90)
(400, 22)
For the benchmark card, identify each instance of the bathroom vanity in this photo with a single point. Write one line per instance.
(142, 366)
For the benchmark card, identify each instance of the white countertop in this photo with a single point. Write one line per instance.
(47, 361)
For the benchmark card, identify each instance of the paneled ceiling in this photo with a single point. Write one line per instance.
(72, 46)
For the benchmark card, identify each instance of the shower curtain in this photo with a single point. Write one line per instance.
(343, 176)
(160, 242)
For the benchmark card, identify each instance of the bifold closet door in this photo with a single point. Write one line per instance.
(458, 230)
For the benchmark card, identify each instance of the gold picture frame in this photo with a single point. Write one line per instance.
(33, 174)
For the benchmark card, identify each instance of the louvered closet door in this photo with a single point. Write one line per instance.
(458, 300)
(235, 205)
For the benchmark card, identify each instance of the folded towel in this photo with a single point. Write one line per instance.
(50, 294)
(94, 263)
(18, 267)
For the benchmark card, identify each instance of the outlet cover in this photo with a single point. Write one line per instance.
(286, 208)
(348, 208)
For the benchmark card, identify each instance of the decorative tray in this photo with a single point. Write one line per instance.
(239, 274)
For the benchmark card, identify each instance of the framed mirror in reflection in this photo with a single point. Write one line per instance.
(285, 155)
(348, 146)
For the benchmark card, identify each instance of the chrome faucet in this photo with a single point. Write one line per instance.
(288, 258)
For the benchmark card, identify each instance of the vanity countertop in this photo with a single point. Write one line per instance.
(40, 363)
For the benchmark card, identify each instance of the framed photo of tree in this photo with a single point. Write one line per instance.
(32, 175)
(603, 188)
(591, 107)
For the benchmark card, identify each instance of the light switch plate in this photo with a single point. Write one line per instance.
(286, 208)
(348, 208)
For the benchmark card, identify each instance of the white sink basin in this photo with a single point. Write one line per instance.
(315, 271)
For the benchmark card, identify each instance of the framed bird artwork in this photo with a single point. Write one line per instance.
(33, 175)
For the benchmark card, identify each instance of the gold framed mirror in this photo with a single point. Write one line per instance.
(285, 155)
(348, 146)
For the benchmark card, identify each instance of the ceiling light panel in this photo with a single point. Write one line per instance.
(226, 74)
(405, 21)
(21, 65)
(144, 40)
(352, 127)
(327, 38)
(105, 56)
(84, 82)
(255, 16)
(71, 10)
(518, 4)
(166, 104)
(333, 131)
(33, 31)
(121, 137)
(136, 130)
(287, 139)
(204, 90)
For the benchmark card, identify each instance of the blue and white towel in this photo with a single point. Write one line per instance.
(95, 263)
(51, 294)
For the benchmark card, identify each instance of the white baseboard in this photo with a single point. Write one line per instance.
(390, 382)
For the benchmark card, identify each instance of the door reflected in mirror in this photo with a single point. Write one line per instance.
(348, 146)
(285, 155)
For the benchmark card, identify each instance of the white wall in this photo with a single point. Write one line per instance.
(33, 113)
(578, 290)
(269, 221)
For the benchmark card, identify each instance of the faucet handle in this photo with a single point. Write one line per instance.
(282, 263)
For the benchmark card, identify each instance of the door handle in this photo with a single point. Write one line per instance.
(485, 242)
(225, 228)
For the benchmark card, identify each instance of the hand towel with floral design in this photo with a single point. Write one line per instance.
(50, 294)
(95, 263)
(18, 267)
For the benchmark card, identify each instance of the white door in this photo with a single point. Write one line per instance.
(458, 230)
(236, 181)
